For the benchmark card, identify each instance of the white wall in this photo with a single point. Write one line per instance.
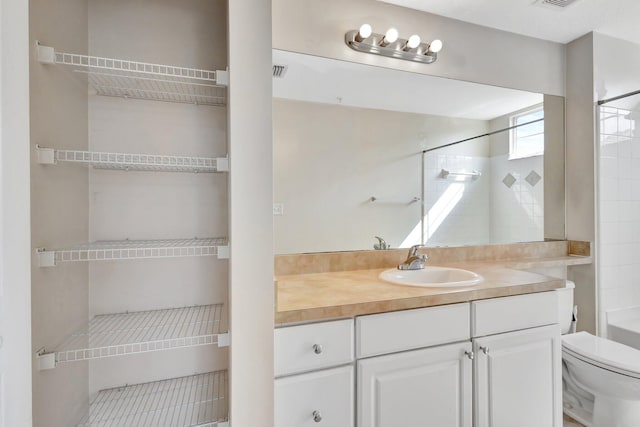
(509, 60)
(251, 291)
(142, 205)
(554, 168)
(59, 208)
(580, 171)
(617, 71)
(15, 252)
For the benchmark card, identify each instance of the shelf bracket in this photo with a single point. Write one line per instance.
(222, 164)
(45, 54)
(46, 258)
(45, 360)
(224, 340)
(222, 77)
(223, 252)
(45, 156)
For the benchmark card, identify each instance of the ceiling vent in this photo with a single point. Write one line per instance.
(279, 71)
(555, 4)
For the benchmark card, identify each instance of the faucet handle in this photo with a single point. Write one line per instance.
(413, 251)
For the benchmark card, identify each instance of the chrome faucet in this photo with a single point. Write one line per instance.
(413, 261)
(381, 245)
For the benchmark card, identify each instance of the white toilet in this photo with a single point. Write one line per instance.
(601, 378)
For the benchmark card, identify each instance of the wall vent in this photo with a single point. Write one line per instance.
(279, 71)
(555, 4)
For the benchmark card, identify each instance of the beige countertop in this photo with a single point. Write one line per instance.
(318, 296)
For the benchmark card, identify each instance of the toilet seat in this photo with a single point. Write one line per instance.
(603, 353)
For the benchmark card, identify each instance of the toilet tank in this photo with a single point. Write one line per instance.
(565, 305)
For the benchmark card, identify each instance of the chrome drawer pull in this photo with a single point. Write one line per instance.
(318, 348)
(469, 354)
(485, 350)
(317, 416)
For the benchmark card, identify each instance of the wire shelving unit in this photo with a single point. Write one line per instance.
(133, 162)
(142, 80)
(194, 401)
(109, 250)
(121, 334)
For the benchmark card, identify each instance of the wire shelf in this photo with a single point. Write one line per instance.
(121, 334)
(141, 80)
(133, 162)
(195, 401)
(108, 250)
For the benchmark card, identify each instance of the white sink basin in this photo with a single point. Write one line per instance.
(432, 277)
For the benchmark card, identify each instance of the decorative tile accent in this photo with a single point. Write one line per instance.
(509, 180)
(533, 178)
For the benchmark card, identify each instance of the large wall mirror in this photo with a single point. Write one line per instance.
(356, 156)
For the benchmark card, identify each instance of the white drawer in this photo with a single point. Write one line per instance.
(497, 315)
(405, 330)
(316, 346)
(323, 398)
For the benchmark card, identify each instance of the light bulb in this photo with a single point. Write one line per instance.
(414, 41)
(391, 36)
(435, 46)
(365, 31)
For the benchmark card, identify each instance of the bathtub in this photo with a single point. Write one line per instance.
(623, 326)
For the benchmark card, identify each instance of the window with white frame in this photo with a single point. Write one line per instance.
(527, 140)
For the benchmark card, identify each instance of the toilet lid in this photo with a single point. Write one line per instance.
(603, 352)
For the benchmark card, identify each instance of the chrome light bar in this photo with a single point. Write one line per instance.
(406, 49)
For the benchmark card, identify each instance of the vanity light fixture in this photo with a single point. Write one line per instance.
(389, 44)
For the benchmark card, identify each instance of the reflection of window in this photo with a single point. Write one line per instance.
(527, 140)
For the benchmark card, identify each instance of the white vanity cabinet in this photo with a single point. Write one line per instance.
(314, 375)
(431, 385)
(319, 398)
(427, 387)
(488, 363)
(518, 379)
(518, 364)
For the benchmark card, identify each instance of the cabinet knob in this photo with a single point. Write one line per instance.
(485, 350)
(317, 416)
(469, 354)
(318, 348)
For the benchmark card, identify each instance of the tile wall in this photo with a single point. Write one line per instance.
(457, 211)
(517, 199)
(619, 210)
(503, 205)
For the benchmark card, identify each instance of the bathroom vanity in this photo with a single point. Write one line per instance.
(351, 350)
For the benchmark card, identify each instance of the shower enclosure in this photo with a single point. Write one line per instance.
(618, 201)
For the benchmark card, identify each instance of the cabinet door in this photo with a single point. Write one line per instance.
(321, 398)
(518, 379)
(420, 388)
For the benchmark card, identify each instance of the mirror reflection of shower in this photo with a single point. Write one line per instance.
(485, 189)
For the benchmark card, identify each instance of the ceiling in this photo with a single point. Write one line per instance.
(329, 81)
(616, 18)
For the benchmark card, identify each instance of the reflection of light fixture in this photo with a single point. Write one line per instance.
(389, 44)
